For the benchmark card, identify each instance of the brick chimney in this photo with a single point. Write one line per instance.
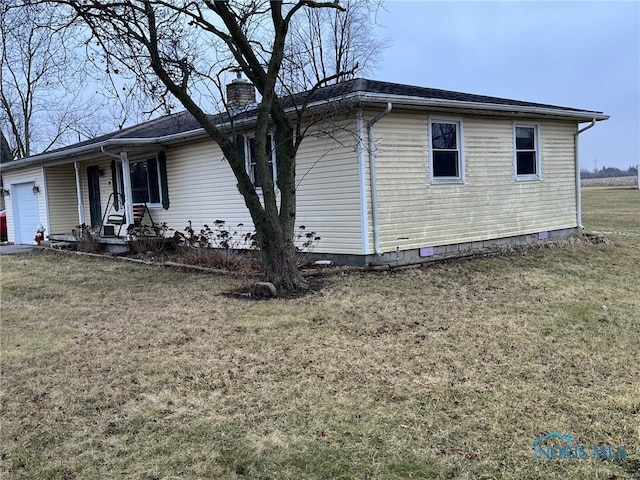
(240, 92)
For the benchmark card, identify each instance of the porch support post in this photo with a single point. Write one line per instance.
(126, 180)
(79, 194)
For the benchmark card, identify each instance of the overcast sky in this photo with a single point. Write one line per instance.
(575, 54)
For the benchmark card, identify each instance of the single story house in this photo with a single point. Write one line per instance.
(398, 174)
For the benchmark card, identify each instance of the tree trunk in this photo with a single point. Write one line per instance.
(280, 257)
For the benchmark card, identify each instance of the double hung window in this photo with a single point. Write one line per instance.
(527, 154)
(148, 181)
(145, 181)
(254, 171)
(446, 152)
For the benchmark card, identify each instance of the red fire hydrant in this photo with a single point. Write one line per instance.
(39, 238)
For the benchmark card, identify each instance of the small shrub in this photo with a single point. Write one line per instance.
(232, 240)
(150, 239)
(86, 239)
(190, 238)
(218, 247)
(305, 244)
(218, 237)
(152, 245)
(221, 259)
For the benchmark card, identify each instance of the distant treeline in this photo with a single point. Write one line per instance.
(608, 172)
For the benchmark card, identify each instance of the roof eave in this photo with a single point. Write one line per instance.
(357, 97)
(495, 108)
(95, 149)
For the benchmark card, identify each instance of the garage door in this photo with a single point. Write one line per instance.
(25, 209)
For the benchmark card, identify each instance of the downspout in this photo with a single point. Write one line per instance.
(362, 176)
(46, 198)
(578, 183)
(126, 180)
(79, 194)
(372, 178)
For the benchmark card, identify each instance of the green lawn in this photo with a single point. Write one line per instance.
(112, 370)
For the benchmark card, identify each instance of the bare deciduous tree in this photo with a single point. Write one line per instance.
(42, 78)
(323, 43)
(181, 49)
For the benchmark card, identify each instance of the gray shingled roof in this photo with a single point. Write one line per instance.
(365, 86)
(158, 127)
(357, 91)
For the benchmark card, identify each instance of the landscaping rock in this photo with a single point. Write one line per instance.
(264, 290)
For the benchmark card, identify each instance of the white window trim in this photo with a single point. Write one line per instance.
(459, 180)
(247, 159)
(538, 175)
(140, 158)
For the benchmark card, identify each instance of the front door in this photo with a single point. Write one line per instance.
(93, 176)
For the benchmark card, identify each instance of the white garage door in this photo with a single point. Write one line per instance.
(25, 213)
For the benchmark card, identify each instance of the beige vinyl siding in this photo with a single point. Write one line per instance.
(30, 174)
(328, 191)
(401, 174)
(62, 198)
(491, 204)
(202, 189)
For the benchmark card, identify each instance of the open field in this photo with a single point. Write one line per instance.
(629, 181)
(612, 211)
(113, 370)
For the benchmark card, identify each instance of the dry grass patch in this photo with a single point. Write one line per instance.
(116, 370)
(614, 210)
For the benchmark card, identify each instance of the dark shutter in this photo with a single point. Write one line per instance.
(164, 185)
(240, 146)
(154, 188)
(114, 183)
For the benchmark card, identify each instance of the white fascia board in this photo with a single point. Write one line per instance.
(93, 149)
(580, 115)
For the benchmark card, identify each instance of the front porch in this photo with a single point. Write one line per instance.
(92, 200)
(117, 245)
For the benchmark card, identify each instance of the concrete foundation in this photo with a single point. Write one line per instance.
(429, 253)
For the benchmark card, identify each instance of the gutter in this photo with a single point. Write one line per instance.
(112, 142)
(116, 142)
(578, 183)
(354, 97)
(567, 113)
(372, 178)
(109, 154)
